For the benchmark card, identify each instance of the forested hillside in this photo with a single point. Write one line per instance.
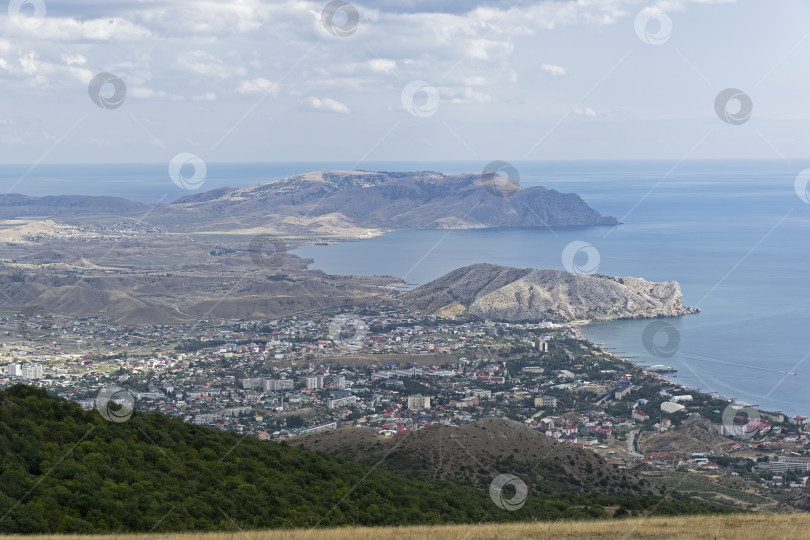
(68, 470)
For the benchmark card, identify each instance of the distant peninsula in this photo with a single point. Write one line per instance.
(358, 203)
(334, 205)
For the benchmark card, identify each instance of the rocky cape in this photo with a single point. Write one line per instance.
(524, 294)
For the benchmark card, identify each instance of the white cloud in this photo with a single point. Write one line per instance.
(74, 59)
(486, 49)
(382, 65)
(204, 63)
(587, 111)
(325, 104)
(11, 138)
(484, 59)
(475, 81)
(256, 86)
(465, 96)
(143, 92)
(552, 69)
(66, 30)
(33, 71)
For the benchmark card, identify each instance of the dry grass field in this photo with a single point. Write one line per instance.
(741, 527)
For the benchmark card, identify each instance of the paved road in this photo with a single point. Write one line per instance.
(631, 442)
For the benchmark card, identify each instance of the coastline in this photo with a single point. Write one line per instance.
(576, 330)
(737, 313)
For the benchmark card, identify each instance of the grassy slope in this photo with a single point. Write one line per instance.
(738, 527)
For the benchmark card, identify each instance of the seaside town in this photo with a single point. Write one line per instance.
(398, 371)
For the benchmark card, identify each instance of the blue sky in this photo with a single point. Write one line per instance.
(266, 81)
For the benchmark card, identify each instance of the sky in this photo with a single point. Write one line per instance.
(133, 81)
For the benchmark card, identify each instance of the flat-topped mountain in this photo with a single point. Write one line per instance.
(339, 202)
(520, 294)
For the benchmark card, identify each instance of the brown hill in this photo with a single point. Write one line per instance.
(695, 434)
(474, 454)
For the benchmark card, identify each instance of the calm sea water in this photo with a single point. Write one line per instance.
(732, 233)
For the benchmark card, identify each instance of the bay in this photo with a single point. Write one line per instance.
(733, 234)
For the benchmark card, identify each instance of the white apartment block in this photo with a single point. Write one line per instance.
(418, 402)
(338, 403)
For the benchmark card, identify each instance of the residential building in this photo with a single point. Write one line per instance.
(14, 370)
(640, 415)
(314, 382)
(274, 385)
(545, 401)
(418, 402)
(340, 402)
(32, 371)
(784, 465)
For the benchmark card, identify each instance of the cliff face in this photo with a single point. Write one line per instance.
(519, 294)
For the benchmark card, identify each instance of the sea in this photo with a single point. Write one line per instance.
(734, 234)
